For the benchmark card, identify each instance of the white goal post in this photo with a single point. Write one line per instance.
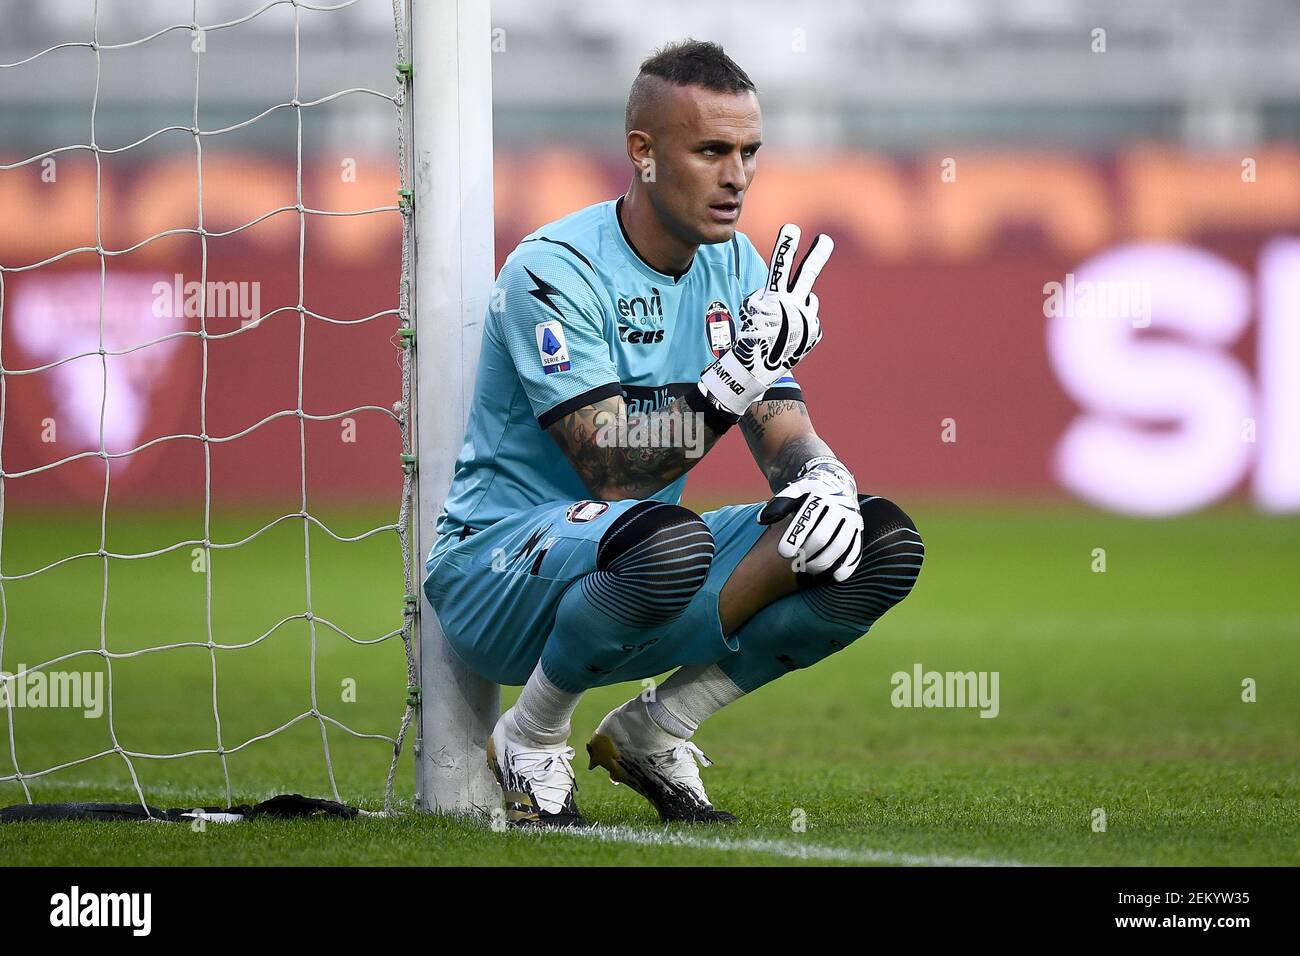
(449, 115)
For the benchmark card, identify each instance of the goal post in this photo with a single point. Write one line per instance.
(449, 117)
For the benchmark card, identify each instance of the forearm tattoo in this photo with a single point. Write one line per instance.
(781, 458)
(635, 459)
(784, 466)
(755, 421)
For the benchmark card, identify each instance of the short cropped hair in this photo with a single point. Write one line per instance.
(686, 63)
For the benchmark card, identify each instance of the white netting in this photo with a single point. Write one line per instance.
(109, 345)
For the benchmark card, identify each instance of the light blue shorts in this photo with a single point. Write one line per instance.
(497, 590)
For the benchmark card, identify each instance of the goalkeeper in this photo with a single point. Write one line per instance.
(564, 559)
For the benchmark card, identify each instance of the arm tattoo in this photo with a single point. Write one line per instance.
(755, 421)
(785, 464)
(640, 461)
(781, 447)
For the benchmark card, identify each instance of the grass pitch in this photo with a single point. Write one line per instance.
(1120, 691)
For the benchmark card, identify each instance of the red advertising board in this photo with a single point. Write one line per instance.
(960, 357)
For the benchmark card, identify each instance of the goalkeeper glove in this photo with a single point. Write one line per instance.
(826, 533)
(779, 326)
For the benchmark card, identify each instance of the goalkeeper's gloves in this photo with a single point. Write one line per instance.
(826, 532)
(779, 326)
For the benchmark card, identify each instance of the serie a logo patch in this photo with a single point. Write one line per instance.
(582, 511)
(720, 326)
(551, 347)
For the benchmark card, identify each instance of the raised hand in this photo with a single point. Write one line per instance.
(778, 327)
(781, 319)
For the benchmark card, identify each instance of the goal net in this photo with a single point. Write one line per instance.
(209, 565)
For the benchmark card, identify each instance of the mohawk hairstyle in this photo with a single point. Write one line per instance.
(686, 63)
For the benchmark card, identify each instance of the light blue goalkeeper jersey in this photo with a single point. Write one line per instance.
(577, 316)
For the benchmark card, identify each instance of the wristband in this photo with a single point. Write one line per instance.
(717, 419)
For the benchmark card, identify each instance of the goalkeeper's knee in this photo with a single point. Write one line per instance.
(892, 554)
(649, 564)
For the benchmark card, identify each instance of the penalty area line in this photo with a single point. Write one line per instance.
(787, 849)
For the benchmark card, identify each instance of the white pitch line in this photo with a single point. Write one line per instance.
(789, 849)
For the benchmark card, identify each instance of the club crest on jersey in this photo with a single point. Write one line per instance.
(720, 326)
(551, 347)
(581, 512)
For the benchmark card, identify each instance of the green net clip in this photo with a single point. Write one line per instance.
(408, 466)
(412, 695)
(404, 72)
(412, 602)
(407, 335)
(406, 198)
